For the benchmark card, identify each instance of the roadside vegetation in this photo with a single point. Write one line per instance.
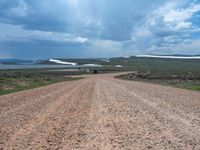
(175, 72)
(19, 80)
(179, 73)
(180, 79)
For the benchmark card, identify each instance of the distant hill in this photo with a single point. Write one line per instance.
(124, 61)
(62, 61)
(16, 62)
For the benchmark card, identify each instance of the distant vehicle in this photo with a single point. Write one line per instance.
(95, 71)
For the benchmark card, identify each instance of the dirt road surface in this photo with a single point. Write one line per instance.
(100, 113)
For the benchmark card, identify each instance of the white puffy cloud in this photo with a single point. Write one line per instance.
(80, 39)
(29, 35)
(167, 27)
(179, 17)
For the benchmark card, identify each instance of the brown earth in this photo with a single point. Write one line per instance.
(100, 112)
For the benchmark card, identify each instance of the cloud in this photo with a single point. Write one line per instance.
(20, 10)
(168, 26)
(103, 19)
(103, 28)
(180, 17)
(33, 35)
(187, 48)
(73, 2)
(4, 56)
(80, 39)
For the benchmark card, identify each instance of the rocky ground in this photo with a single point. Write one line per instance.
(100, 112)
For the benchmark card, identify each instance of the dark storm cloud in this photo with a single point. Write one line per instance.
(89, 28)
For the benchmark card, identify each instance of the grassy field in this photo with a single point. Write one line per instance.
(18, 80)
(180, 79)
(186, 83)
(174, 72)
(23, 79)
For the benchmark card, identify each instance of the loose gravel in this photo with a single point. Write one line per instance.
(100, 112)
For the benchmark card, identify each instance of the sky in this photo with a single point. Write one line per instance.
(41, 29)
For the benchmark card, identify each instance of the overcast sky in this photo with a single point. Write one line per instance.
(36, 29)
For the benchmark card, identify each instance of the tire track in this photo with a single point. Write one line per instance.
(100, 112)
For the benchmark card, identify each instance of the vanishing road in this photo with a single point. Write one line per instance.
(100, 113)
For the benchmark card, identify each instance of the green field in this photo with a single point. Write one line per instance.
(18, 80)
(174, 72)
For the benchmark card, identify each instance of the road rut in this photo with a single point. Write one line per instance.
(100, 112)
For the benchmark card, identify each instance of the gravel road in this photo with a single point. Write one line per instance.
(101, 113)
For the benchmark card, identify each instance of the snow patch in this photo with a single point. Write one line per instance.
(105, 60)
(119, 66)
(171, 57)
(92, 65)
(62, 62)
(127, 57)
